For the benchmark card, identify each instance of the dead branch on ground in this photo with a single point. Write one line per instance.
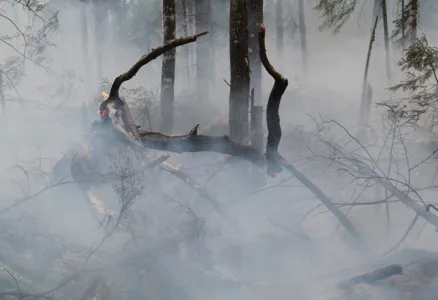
(194, 142)
(364, 168)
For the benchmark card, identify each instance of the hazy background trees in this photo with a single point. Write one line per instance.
(175, 234)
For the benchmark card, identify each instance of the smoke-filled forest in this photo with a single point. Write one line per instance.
(218, 149)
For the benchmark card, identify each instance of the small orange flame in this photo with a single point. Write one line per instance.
(105, 96)
(262, 27)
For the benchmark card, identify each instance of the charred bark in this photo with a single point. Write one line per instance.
(168, 68)
(239, 91)
(203, 52)
(85, 163)
(386, 37)
(272, 160)
(255, 19)
(145, 59)
(193, 142)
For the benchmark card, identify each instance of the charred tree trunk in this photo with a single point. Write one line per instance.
(280, 29)
(303, 34)
(203, 52)
(255, 19)
(239, 90)
(386, 37)
(168, 68)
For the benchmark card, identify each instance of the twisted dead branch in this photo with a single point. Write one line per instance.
(271, 160)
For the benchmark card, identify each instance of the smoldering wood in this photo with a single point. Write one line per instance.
(271, 160)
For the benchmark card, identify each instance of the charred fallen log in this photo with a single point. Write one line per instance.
(373, 277)
(119, 117)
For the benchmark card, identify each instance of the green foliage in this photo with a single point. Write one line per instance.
(29, 42)
(335, 12)
(403, 25)
(419, 64)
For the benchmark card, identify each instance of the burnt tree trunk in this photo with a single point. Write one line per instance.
(255, 19)
(168, 68)
(303, 34)
(386, 37)
(280, 29)
(239, 90)
(203, 52)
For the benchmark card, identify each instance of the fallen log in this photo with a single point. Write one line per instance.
(117, 110)
(372, 277)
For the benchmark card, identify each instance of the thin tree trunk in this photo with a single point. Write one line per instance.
(185, 12)
(386, 37)
(100, 24)
(414, 19)
(403, 25)
(365, 105)
(303, 34)
(168, 68)
(376, 8)
(255, 19)
(280, 29)
(191, 47)
(239, 91)
(203, 52)
(2, 94)
(85, 46)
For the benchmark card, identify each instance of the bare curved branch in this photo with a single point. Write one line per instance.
(114, 93)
